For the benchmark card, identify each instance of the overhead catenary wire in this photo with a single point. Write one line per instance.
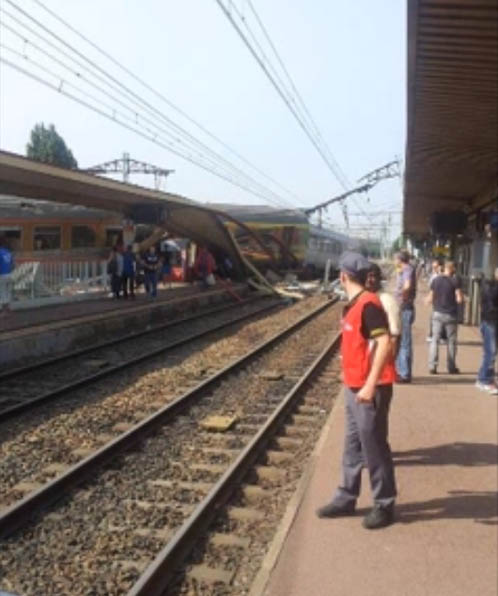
(133, 111)
(260, 193)
(294, 88)
(150, 137)
(280, 92)
(164, 99)
(291, 98)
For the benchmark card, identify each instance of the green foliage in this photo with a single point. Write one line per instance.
(48, 146)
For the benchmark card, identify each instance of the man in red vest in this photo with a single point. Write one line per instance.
(369, 374)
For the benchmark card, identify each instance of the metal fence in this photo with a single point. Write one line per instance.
(41, 280)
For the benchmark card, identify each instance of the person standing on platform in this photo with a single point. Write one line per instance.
(129, 269)
(489, 323)
(151, 265)
(6, 268)
(115, 270)
(369, 373)
(389, 304)
(445, 296)
(435, 271)
(204, 267)
(406, 289)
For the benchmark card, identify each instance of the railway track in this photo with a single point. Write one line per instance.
(26, 387)
(137, 502)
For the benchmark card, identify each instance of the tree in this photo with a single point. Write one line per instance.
(48, 146)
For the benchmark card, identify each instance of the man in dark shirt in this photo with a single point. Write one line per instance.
(445, 296)
(151, 265)
(489, 320)
(368, 371)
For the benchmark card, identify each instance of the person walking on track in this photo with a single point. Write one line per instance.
(489, 327)
(445, 295)
(369, 373)
(6, 268)
(406, 289)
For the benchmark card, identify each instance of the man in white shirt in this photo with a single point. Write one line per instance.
(374, 284)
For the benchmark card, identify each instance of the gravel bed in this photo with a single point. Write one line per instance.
(85, 544)
(53, 432)
(29, 385)
(247, 562)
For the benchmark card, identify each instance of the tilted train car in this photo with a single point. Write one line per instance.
(284, 238)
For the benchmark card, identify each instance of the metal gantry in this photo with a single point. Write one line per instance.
(126, 166)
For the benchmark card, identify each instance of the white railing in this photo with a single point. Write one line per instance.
(42, 280)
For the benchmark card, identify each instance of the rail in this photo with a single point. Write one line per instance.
(19, 513)
(159, 574)
(28, 404)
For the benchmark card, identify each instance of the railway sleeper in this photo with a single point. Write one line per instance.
(210, 575)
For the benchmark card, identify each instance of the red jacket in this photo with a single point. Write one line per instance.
(356, 350)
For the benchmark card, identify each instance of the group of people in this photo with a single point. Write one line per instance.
(123, 266)
(445, 296)
(377, 352)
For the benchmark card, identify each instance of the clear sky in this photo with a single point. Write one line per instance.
(347, 59)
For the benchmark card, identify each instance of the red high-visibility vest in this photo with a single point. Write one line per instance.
(356, 350)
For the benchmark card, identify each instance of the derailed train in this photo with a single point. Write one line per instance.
(285, 239)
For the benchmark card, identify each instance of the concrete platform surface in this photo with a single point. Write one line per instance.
(42, 315)
(443, 434)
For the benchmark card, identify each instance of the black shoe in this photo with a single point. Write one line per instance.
(378, 517)
(333, 510)
(454, 371)
(403, 380)
(433, 371)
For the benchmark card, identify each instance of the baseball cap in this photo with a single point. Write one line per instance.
(353, 262)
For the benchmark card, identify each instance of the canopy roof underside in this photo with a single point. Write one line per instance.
(452, 136)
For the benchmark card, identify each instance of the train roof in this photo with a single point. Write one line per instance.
(24, 208)
(334, 235)
(262, 213)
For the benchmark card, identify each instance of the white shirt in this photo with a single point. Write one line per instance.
(392, 310)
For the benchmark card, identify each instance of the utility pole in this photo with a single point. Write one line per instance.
(388, 170)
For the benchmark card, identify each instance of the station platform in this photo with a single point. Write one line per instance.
(443, 433)
(38, 333)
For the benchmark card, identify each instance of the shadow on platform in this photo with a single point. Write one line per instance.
(446, 379)
(457, 454)
(479, 506)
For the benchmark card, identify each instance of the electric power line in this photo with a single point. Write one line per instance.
(245, 185)
(164, 99)
(291, 98)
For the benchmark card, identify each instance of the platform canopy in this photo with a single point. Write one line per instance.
(183, 217)
(452, 136)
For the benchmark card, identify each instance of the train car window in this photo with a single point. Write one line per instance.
(47, 238)
(13, 237)
(83, 237)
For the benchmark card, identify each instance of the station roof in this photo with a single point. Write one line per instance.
(452, 135)
(21, 208)
(24, 177)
